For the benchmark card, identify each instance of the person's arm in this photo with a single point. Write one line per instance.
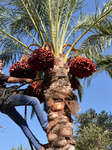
(19, 80)
(6, 78)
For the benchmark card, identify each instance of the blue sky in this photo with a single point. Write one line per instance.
(98, 96)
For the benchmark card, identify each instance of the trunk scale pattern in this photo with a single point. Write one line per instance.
(58, 91)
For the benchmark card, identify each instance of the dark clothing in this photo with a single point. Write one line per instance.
(3, 79)
(4, 91)
(8, 101)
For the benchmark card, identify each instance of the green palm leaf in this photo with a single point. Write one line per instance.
(106, 12)
(105, 63)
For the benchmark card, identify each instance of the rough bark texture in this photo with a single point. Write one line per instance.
(58, 93)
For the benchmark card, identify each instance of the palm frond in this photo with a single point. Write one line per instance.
(100, 41)
(67, 19)
(9, 54)
(18, 19)
(94, 45)
(105, 13)
(80, 25)
(66, 24)
(30, 12)
(105, 63)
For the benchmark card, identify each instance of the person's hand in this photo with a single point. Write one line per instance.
(29, 80)
(14, 93)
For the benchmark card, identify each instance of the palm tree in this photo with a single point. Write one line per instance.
(58, 23)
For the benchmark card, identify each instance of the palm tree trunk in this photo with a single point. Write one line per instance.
(58, 91)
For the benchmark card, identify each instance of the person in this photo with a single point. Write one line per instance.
(8, 101)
